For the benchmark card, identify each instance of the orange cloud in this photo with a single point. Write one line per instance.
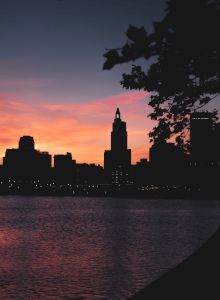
(80, 128)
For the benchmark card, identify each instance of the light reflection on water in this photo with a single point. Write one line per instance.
(95, 248)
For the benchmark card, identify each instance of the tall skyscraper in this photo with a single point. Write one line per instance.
(117, 161)
(201, 137)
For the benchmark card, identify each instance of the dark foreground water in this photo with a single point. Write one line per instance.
(95, 248)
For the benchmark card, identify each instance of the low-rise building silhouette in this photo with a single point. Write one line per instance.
(64, 167)
(163, 153)
(26, 162)
(167, 162)
(141, 172)
(88, 174)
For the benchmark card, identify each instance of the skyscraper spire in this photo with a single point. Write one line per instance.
(117, 114)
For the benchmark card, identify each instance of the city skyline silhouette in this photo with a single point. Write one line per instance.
(60, 128)
(33, 146)
(167, 164)
(202, 131)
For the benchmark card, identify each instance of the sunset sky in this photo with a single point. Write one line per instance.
(52, 85)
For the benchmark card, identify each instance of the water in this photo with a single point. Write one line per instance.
(95, 248)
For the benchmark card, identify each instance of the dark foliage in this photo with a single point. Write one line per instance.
(185, 74)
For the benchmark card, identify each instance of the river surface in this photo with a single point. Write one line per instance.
(95, 248)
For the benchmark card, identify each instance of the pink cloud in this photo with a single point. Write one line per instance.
(81, 128)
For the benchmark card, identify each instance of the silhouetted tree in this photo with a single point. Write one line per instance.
(185, 73)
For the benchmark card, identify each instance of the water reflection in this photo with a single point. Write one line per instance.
(68, 248)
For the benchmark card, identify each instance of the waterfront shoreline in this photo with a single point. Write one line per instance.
(168, 196)
(127, 191)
